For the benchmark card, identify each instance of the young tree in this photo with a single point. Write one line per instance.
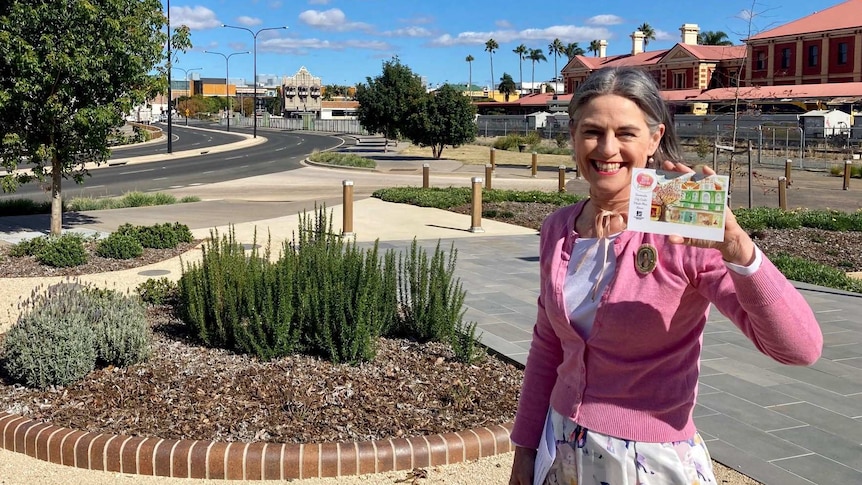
(595, 47)
(69, 71)
(470, 60)
(708, 37)
(535, 55)
(507, 85)
(444, 117)
(386, 101)
(556, 49)
(649, 33)
(521, 50)
(491, 47)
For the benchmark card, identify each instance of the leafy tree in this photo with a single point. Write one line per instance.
(717, 37)
(556, 49)
(572, 49)
(470, 60)
(491, 46)
(535, 55)
(595, 47)
(444, 117)
(521, 50)
(69, 71)
(649, 33)
(507, 85)
(386, 101)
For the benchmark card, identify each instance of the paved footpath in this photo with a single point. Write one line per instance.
(777, 424)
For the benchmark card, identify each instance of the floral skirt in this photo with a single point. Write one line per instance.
(585, 457)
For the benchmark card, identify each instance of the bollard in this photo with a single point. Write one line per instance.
(535, 165)
(782, 193)
(488, 172)
(347, 224)
(788, 164)
(425, 179)
(561, 179)
(848, 164)
(476, 206)
(493, 164)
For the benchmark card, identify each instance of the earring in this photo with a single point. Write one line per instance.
(650, 162)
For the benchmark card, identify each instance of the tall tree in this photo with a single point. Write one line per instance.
(649, 33)
(572, 49)
(491, 47)
(444, 117)
(386, 101)
(470, 60)
(507, 85)
(556, 49)
(710, 37)
(521, 50)
(69, 72)
(595, 47)
(535, 55)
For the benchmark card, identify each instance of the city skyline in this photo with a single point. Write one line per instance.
(343, 42)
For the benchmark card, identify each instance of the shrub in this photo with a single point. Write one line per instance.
(158, 291)
(561, 140)
(508, 142)
(445, 198)
(158, 236)
(29, 247)
(342, 159)
(799, 269)
(63, 251)
(122, 333)
(119, 246)
(52, 343)
(702, 147)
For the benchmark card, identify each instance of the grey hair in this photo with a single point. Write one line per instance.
(639, 87)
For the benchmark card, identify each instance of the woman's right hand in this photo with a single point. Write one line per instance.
(522, 466)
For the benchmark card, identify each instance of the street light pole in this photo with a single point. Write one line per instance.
(170, 135)
(227, 79)
(254, 36)
(188, 82)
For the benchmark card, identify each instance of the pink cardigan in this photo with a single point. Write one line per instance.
(635, 377)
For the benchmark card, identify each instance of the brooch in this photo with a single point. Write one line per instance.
(646, 259)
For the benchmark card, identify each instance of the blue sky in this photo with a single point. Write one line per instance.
(345, 41)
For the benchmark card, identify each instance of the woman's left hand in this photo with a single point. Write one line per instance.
(737, 247)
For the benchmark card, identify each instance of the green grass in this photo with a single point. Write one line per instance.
(448, 197)
(342, 159)
(20, 207)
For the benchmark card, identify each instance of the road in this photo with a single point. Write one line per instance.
(282, 151)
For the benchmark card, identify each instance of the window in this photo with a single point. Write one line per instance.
(761, 61)
(842, 53)
(785, 58)
(813, 54)
(679, 80)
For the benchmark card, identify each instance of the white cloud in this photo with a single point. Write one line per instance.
(745, 15)
(566, 33)
(662, 35)
(196, 18)
(408, 32)
(503, 24)
(248, 21)
(330, 20)
(604, 20)
(302, 46)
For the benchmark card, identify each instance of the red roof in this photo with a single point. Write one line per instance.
(681, 94)
(715, 52)
(797, 91)
(845, 15)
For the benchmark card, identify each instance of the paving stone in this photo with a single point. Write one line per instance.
(748, 372)
(842, 385)
(748, 412)
(823, 419)
(827, 444)
(750, 465)
(758, 443)
(849, 406)
(763, 396)
(820, 469)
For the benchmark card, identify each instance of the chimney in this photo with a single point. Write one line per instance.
(637, 42)
(603, 48)
(689, 33)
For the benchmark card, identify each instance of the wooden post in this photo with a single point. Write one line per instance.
(476, 206)
(788, 166)
(750, 177)
(488, 172)
(848, 164)
(347, 224)
(561, 179)
(425, 179)
(493, 163)
(782, 193)
(535, 165)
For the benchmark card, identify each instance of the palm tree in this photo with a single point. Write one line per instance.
(649, 33)
(521, 50)
(556, 49)
(709, 37)
(470, 60)
(573, 49)
(535, 55)
(595, 47)
(490, 47)
(507, 85)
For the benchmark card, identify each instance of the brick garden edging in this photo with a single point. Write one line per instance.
(245, 461)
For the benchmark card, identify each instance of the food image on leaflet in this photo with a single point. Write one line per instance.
(687, 204)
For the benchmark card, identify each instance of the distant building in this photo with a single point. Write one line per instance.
(302, 94)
